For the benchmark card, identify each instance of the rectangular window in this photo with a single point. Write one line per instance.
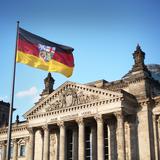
(11, 152)
(22, 150)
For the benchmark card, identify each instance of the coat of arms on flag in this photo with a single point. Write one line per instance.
(46, 52)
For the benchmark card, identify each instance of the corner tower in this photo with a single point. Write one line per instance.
(48, 82)
(139, 77)
(4, 113)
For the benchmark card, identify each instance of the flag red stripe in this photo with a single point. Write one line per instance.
(30, 48)
(27, 47)
(64, 58)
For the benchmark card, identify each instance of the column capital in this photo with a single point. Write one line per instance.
(45, 127)
(98, 118)
(26, 139)
(80, 120)
(119, 114)
(60, 123)
(131, 120)
(3, 142)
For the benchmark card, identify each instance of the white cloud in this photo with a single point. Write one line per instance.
(27, 93)
(4, 98)
(36, 98)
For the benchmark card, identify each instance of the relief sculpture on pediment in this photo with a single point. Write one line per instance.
(71, 97)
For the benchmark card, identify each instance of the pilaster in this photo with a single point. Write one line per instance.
(132, 139)
(3, 144)
(31, 143)
(156, 142)
(27, 147)
(15, 149)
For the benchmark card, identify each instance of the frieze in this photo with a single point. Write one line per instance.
(72, 116)
(86, 113)
(71, 97)
(54, 119)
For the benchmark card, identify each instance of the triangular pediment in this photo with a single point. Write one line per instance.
(70, 94)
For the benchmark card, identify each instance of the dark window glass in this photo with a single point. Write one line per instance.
(22, 150)
(88, 144)
(69, 144)
(11, 152)
(106, 149)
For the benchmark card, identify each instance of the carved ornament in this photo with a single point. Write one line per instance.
(71, 97)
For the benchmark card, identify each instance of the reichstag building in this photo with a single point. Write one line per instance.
(100, 120)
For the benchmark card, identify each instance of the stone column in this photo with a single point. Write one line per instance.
(62, 141)
(30, 149)
(3, 150)
(120, 136)
(156, 142)
(15, 149)
(81, 139)
(100, 137)
(112, 140)
(46, 143)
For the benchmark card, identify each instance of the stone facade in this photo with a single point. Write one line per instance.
(4, 113)
(101, 120)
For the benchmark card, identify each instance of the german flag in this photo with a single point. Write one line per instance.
(40, 53)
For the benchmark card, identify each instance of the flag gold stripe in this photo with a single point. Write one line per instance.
(51, 66)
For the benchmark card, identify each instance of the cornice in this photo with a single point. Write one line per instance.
(123, 83)
(15, 128)
(76, 108)
(146, 101)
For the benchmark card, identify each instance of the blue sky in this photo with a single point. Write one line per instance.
(104, 34)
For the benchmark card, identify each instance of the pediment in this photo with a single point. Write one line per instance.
(70, 94)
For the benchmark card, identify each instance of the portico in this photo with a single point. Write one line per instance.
(86, 131)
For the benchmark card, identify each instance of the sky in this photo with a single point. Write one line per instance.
(103, 33)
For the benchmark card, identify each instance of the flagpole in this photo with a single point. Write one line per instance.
(12, 102)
